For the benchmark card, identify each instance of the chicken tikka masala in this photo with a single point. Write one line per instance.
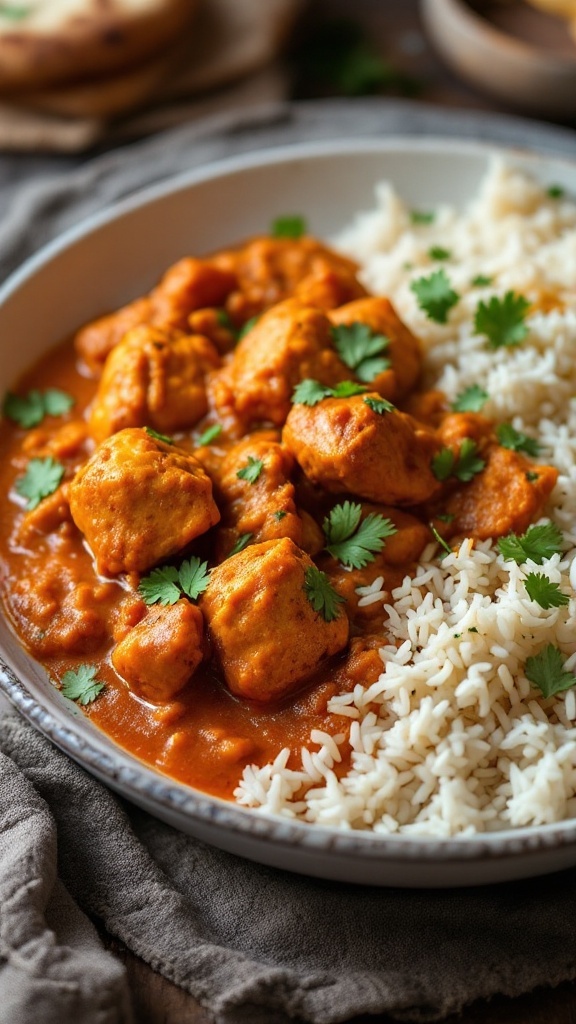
(196, 489)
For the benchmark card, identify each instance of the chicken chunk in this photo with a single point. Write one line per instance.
(268, 270)
(153, 378)
(259, 501)
(404, 349)
(265, 632)
(344, 445)
(138, 501)
(288, 343)
(507, 496)
(161, 653)
(188, 285)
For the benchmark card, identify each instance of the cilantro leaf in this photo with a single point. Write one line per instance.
(224, 319)
(538, 543)
(379, 405)
(436, 252)
(555, 192)
(42, 477)
(242, 542)
(546, 671)
(443, 463)
(361, 349)
(469, 463)
(472, 399)
(251, 471)
(501, 321)
(482, 280)
(280, 514)
(248, 326)
(321, 593)
(166, 584)
(351, 542)
(546, 594)
(347, 389)
(310, 392)
(289, 226)
(435, 295)
(158, 437)
(515, 440)
(210, 434)
(422, 216)
(81, 684)
(464, 467)
(29, 410)
(193, 577)
(161, 586)
(531, 476)
(57, 402)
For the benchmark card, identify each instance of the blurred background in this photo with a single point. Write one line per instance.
(516, 56)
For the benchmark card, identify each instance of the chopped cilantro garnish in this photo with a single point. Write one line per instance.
(515, 440)
(81, 684)
(248, 326)
(445, 517)
(29, 410)
(223, 318)
(379, 405)
(555, 192)
(361, 349)
(42, 477)
(435, 295)
(445, 464)
(436, 252)
(351, 541)
(482, 280)
(310, 392)
(289, 226)
(321, 594)
(279, 514)
(166, 584)
(546, 670)
(546, 594)
(443, 544)
(242, 542)
(501, 321)
(422, 216)
(470, 400)
(532, 477)
(251, 471)
(210, 434)
(538, 543)
(158, 437)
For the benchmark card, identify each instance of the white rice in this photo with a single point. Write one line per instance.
(453, 738)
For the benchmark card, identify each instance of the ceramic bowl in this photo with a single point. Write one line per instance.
(526, 75)
(116, 256)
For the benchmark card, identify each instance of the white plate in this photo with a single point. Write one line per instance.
(121, 253)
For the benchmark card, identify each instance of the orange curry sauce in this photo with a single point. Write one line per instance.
(67, 612)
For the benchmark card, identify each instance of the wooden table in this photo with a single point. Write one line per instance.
(393, 28)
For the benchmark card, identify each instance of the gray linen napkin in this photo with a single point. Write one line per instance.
(253, 944)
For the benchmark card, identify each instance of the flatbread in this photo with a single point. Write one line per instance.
(48, 42)
(227, 40)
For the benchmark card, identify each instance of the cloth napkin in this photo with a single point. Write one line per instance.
(253, 944)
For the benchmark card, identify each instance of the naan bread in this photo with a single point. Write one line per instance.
(48, 42)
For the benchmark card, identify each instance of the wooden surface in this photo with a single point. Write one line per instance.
(394, 30)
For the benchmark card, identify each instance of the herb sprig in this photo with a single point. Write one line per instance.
(321, 594)
(472, 399)
(502, 321)
(361, 349)
(42, 478)
(435, 295)
(538, 543)
(546, 671)
(166, 584)
(29, 410)
(251, 471)
(351, 541)
(515, 440)
(464, 466)
(547, 594)
(82, 684)
(288, 226)
(310, 392)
